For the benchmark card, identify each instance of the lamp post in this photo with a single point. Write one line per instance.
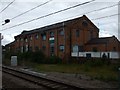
(6, 21)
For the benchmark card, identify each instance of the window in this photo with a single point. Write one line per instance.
(51, 34)
(17, 40)
(21, 49)
(62, 48)
(21, 39)
(61, 32)
(36, 36)
(31, 38)
(43, 47)
(75, 48)
(44, 37)
(51, 49)
(26, 48)
(77, 33)
(114, 48)
(84, 23)
(88, 55)
(26, 40)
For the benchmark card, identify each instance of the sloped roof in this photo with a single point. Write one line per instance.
(102, 40)
(9, 44)
(56, 25)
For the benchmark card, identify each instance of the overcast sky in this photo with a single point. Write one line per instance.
(108, 26)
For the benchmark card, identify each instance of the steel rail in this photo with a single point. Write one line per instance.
(39, 80)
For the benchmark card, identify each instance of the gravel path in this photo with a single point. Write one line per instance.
(14, 83)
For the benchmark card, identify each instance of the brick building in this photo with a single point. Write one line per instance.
(61, 39)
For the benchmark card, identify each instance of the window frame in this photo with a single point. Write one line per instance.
(62, 48)
(52, 34)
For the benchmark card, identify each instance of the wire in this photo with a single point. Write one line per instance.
(91, 11)
(102, 8)
(7, 6)
(50, 14)
(91, 19)
(31, 9)
(51, 0)
(106, 16)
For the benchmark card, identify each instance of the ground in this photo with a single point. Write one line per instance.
(88, 75)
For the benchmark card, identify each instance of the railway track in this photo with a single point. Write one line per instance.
(39, 80)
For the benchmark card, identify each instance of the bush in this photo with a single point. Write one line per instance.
(38, 57)
(53, 60)
(95, 63)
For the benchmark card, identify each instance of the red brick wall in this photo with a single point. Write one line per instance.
(111, 45)
(68, 39)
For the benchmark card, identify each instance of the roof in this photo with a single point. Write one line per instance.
(56, 25)
(102, 40)
(9, 44)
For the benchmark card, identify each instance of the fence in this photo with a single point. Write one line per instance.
(111, 55)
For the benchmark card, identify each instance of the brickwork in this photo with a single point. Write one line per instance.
(62, 38)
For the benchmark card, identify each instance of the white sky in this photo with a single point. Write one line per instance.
(108, 26)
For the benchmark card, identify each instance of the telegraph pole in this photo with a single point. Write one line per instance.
(5, 22)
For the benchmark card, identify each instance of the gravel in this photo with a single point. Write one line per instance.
(14, 83)
(76, 79)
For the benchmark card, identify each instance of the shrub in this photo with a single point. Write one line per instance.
(95, 63)
(38, 57)
(53, 60)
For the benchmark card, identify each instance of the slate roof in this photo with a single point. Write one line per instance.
(102, 40)
(56, 25)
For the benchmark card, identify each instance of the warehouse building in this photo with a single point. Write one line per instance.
(65, 39)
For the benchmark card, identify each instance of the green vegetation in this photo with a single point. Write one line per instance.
(101, 69)
(33, 57)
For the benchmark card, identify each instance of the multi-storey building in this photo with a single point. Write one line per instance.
(61, 39)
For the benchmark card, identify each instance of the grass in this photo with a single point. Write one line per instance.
(96, 70)
(104, 73)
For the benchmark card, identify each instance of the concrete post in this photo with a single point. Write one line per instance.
(0, 51)
(0, 63)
